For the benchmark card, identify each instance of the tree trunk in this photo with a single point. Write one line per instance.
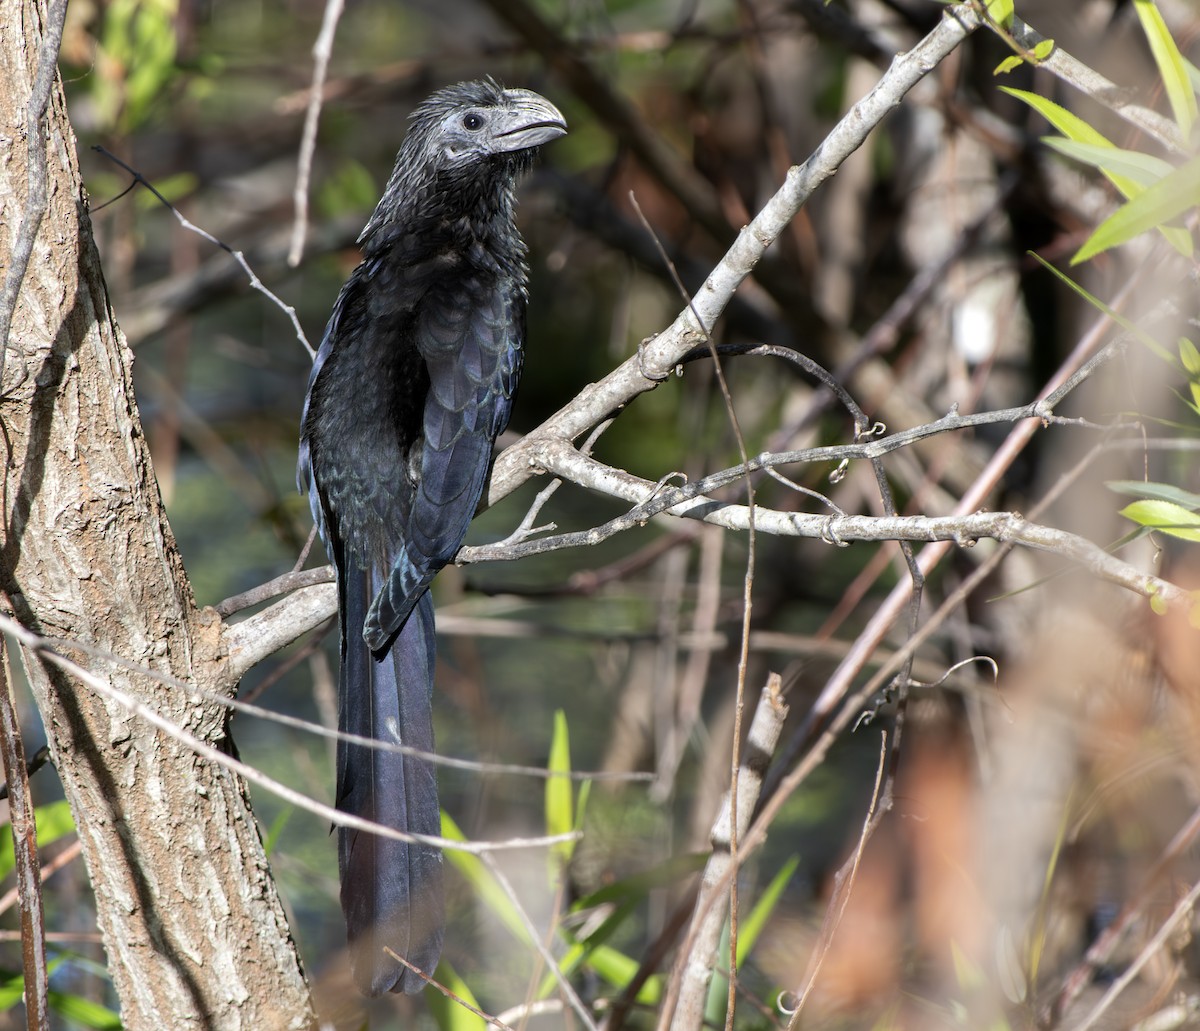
(194, 929)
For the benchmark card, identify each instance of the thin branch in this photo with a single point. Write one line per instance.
(35, 149)
(25, 856)
(1184, 909)
(564, 984)
(38, 645)
(319, 730)
(1091, 83)
(644, 371)
(237, 256)
(694, 966)
(322, 50)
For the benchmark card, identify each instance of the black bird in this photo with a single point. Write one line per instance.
(412, 383)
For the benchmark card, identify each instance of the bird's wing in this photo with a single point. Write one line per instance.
(471, 342)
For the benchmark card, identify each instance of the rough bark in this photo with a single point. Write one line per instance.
(194, 929)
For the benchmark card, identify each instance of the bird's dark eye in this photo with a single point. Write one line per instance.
(472, 122)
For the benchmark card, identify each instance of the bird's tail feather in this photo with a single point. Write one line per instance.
(391, 890)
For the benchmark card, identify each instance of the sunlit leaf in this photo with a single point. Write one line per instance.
(1155, 491)
(1008, 65)
(1001, 12)
(1190, 356)
(1170, 64)
(53, 821)
(560, 818)
(751, 926)
(487, 889)
(448, 1013)
(83, 1012)
(1167, 199)
(1166, 517)
(1126, 324)
(1143, 169)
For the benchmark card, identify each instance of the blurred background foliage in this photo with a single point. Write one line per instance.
(206, 100)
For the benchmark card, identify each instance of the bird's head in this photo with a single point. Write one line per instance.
(463, 152)
(479, 128)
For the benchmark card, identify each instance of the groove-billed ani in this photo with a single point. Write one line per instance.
(413, 381)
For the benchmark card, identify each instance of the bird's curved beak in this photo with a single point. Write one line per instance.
(528, 121)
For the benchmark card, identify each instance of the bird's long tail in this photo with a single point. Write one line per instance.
(391, 890)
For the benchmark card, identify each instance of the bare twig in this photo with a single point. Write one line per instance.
(645, 371)
(694, 967)
(38, 645)
(322, 51)
(25, 855)
(237, 256)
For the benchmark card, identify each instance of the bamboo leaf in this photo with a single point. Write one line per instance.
(446, 1012)
(560, 818)
(1167, 199)
(1170, 65)
(1144, 169)
(1156, 491)
(751, 927)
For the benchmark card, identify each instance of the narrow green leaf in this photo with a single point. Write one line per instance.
(1170, 65)
(1190, 356)
(1008, 65)
(670, 872)
(560, 818)
(1130, 327)
(277, 825)
(446, 1012)
(1066, 122)
(1193, 74)
(12, 990)
(83, 1011)
(579, 951)
(1166, 517)
(487, 889)
(1143, 169)
(618, 970)
(1156, 491)
(1165, 200)
(53, 821)
(1195, 403)
(751, 927)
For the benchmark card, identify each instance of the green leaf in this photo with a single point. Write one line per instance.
(751, 927)
(446, 1012)
(618, 970)
(1144, 169)
(487, 889)
(1066, 122)
(1043, 50)
(1166, 517)
(83, 1011)
(12, 990)
(1157, 491)
(560, 818)
(277, 825)
(1167, 199)
(1008, 64)
(1001, 12)
(667, 873)
(53, 821)
(1189, 356)
(1170, 65)
(1127, 325)
(1080, 133)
